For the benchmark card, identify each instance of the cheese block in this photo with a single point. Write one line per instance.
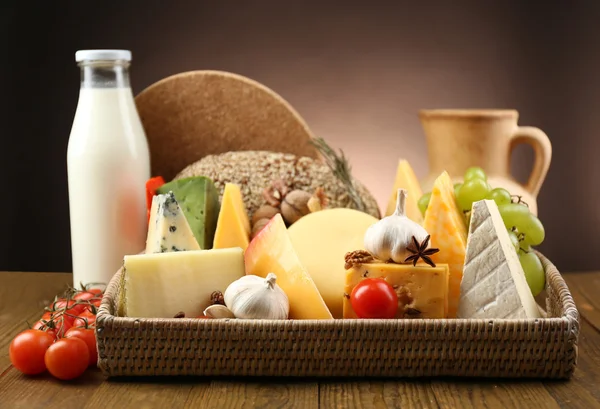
(422, 290)
(271, 251)
(163, 284)
(168, 229)
(445, 223)
(493, 283)
(406, 179)
(199, 201)
(321, 240)
(233, 225)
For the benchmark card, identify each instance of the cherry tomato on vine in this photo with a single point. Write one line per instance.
(86, 315)
(87, 335)
(67, 358)
(374, 298)
(28, 349)
(41, 326)
(68, 306)
(88, 294)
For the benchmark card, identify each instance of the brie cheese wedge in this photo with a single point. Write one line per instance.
(493, 283)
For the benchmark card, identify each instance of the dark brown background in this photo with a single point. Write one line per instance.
(357, 71)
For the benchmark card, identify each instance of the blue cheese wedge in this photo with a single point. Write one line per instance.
(168, 229)
(162, 285)
(493, 283)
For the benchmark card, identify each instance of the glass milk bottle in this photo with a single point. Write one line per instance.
(108, 164)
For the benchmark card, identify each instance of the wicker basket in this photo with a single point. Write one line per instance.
(539, 348)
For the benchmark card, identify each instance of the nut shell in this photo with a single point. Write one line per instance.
(258, 226)
(295, 205)
(264, 212)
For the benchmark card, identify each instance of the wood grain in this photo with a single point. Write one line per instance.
(377, 394)
(24, 295)
(262, 393)
(147, 393)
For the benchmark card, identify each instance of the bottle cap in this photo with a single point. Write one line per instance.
(90, 55)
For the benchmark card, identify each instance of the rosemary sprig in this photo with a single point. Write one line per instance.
(341, 170)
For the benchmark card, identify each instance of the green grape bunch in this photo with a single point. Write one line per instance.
(524, 228)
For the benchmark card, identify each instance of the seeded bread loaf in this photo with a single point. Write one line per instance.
(256, 170)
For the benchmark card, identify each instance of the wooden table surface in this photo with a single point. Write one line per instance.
(24, 295)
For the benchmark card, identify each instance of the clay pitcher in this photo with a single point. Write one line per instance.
(459, 139)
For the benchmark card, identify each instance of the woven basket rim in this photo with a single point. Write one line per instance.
(553, 277)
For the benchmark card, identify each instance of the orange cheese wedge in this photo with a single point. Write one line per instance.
(446, 225)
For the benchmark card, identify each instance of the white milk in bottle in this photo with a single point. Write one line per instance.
(108, 165)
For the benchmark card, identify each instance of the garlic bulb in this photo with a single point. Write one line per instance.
(254, 297)
(389, 238)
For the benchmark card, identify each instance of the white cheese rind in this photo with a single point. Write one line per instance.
(161, 285)
(493, 283)
(168, 229)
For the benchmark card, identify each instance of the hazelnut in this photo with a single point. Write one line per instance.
(264, 212)
(258, 226)
(295, 205)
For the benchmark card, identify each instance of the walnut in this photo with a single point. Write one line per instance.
(357, 257)
(318, 201)
(276, 192)
(264, 212)
(217, 298)
(258, 226)
(295, 205)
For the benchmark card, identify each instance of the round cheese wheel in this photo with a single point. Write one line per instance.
(321, 240)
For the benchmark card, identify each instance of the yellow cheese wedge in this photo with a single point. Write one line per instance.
(445, 223)
(161, 285)
(406, 179)
(321, 240)
(271, 251)
(422, 290)
(233, 225)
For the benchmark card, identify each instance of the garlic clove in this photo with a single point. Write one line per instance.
(218, 311)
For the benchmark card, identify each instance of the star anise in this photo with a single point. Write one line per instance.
(420, 250)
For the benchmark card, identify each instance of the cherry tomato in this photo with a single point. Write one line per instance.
(67, 358)
(88, 294)
(374, 298)
(88, 336)
(45, 327)
(68, 307)
(88, 316)
(28, 349)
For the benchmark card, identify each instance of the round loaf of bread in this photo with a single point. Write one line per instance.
(254, 171)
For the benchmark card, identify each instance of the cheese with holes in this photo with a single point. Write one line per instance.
(233, 225)
(161, 285)
(168, 229)
(271, 251)
(321, 240)
(406, 179)
(445, 223)
(493, 283)
(422, 290)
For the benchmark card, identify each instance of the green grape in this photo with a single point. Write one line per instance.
(534, 271)
(470, 192)
(519, 216)
(475, 173)
(423, 202)
(500, 196)
(514, 239)
(457, 187)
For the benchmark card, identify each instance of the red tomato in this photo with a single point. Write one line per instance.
(88, 336)
(44, 327)
(28, 349)
(62, 305)
(67, 358)
(374, 298)
(88, 294)
(88, 316)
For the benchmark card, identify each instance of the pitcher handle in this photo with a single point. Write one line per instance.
(542, 149)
